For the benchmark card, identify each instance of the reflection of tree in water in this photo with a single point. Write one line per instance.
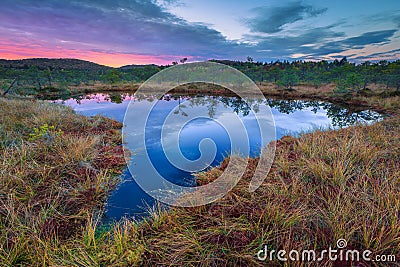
(239, 106)
(340, 116)
(116, 98)
(180, 108)
(290, 106)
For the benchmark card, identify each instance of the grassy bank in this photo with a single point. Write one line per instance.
(56, 170)
(323, 186)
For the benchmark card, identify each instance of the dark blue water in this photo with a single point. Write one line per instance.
(292, 117)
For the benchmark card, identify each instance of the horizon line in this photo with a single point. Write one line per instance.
(233, 60)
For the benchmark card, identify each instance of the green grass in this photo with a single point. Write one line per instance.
(323, 186)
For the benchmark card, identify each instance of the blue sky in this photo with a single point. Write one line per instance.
(119, 32)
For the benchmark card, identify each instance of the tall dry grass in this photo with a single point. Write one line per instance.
(52, 179)
(323, 186)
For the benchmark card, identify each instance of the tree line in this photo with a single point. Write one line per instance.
(344, 74)
(347, 76)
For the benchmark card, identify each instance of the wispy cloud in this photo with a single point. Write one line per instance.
(273, 19)
(376, 37)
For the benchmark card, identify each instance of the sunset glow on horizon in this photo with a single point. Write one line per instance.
(17, 52)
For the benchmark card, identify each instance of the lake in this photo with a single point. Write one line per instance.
(292, 117)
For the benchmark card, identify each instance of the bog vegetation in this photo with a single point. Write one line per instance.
(57, 169)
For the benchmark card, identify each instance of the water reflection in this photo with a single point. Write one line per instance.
(340, 116)
(291, 117)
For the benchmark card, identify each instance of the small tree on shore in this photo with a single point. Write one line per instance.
(354, 81)
(113, 76)
(288, 80)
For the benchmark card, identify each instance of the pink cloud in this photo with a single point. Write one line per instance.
(108, 58)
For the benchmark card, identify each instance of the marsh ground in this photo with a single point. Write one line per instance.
(323, 186)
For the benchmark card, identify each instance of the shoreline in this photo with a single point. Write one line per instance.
(365, 98)
(162, 228)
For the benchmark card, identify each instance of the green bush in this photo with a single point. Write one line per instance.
(45, 132)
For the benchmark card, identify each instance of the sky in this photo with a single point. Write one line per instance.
(123, 32)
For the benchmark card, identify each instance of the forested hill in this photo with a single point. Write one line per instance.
(37, 74)
(46, 63)
(42, 72)
(62, 63)
(129, 67)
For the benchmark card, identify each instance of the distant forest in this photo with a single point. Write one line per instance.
(58, 74)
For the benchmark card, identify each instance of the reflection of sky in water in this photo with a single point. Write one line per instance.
(290, 118)
(300, 121)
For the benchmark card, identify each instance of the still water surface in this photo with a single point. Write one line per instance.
(292, 117)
